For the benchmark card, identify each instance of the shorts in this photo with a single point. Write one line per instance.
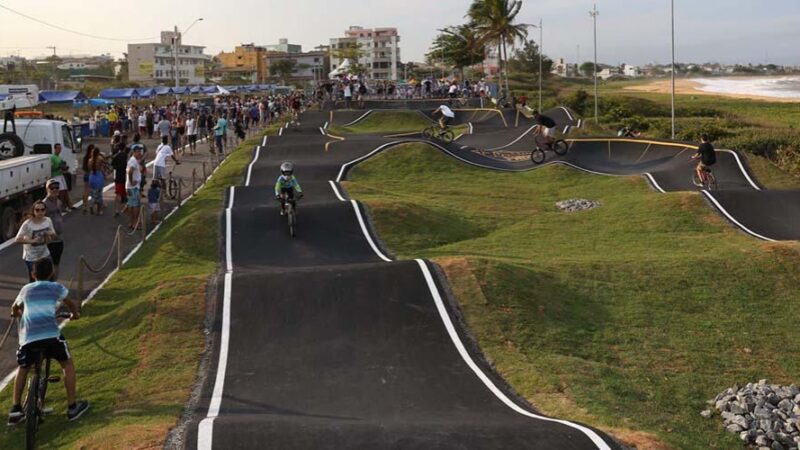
(705, 167)
(218, 140)
(192, 138)
(62, 182)
(55, 348)
(97, 197)
(159, 172)
(134, 201)
(549, 132)
(155, 207)
(119, 189)
(56, 249)
(447, 120)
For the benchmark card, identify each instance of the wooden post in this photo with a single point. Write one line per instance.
(119, 247)
(194, 179)
(80, 278)
(205, 174)
(143, 220)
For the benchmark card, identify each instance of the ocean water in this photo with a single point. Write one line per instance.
(777, 87)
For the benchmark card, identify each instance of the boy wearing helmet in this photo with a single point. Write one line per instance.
(286, 186)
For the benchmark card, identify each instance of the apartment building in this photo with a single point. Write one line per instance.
(378, 51)
(308, 67)
(246, 62)
(155, 62)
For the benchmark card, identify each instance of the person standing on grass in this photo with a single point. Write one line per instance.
(119, 162)
(54, 210)
(132, 186)
(60, 170)
(33, 235)
(191, 132)
(36, 306)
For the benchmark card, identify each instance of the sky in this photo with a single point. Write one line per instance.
(629, 31)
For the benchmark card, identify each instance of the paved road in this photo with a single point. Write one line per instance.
(86, 235)
(325, 342)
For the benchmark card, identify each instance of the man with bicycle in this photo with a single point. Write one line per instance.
(707, 156)
(546, 128)
(163, 152)
(447, 116)
(36, 307)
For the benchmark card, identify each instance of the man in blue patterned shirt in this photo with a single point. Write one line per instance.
(36, 307)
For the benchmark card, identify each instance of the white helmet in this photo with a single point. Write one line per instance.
(287, 168)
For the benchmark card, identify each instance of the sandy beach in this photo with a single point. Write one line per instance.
(690, 87)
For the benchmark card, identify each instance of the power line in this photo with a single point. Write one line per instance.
(58, 27)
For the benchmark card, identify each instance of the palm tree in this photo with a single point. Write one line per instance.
(494, 23)
(458, 46)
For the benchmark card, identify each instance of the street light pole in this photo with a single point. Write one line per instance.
(594, 14)
(176, 42)
(541, 56)
(672, 14)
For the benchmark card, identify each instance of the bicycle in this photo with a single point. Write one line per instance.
(34, 404)
(434, 131)
(171, 185)
(290, 208)
(559, 146)
(709, 182)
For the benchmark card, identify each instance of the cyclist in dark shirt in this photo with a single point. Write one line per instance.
(707, 156)
(546, 128)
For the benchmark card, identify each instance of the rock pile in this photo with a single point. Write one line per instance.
(764, 415)
(576, 204)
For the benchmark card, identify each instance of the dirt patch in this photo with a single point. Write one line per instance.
(132, 437)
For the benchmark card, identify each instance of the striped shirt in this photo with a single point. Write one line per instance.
(40, 299)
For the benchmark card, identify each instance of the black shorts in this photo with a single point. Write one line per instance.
(55, 348)
(56, 249)
(447, 120)
(192, 138)
(289, 192)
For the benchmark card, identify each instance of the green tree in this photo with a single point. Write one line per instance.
(526, 59)
(459, 46)
(282, 68)
(495, 25)
(587, 68)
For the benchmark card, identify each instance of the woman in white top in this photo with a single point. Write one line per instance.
(34, 234)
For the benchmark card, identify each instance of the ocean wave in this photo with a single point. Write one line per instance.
(783, 87)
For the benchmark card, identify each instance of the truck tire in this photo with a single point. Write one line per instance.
(8, 223)
(11, 146)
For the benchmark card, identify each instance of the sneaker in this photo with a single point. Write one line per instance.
(16, 416)
(281, 212)
(76, 411)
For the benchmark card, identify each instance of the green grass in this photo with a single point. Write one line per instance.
(138, 345)
(388, 122)
(628, 317)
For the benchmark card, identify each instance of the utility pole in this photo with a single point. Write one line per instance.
(594, 14)
(55, 68)
(175, 44)
(672, 14)
(541, 56)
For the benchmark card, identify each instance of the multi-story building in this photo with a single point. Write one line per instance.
(284, 46)
(246, 62)
(378, 51)
(308, 67)
(564, 69)
(155, 62)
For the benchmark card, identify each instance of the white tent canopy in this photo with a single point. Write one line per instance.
(343, 69)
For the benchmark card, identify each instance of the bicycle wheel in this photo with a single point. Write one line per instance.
(291, 218)
(537, 156)
(32, 413)
(711, 182)
(696, 180)
(172, 188)
(427, 133)
(447, 136)
(560, 147)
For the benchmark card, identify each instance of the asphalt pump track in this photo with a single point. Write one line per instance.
(325, 341)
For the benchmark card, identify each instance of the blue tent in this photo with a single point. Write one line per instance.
(61, 97)
(163, 90)
(195, 90)
(231, 89)
(100, 102)
(209, 89)
(118, 93)
(181, 90)
(145, 92)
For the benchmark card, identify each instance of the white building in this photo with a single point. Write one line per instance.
(564, 69)
(631, 71)
(378, 47)
(155, 63)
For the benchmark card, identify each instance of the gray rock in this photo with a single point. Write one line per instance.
(765, 424)
(774, 398)
(762, 441)
(580, 204)
(761, 412)
(741, 421)
(737, 408)
(777, 446)
(706, 413)
(733, 428)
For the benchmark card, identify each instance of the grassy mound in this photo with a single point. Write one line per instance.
(140, 340)
(629, 316)
(390, 122)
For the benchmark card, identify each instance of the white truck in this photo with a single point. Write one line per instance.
(25, 149)
(22, 181)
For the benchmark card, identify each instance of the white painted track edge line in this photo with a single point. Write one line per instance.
(741, 167)
(732, 219)
(451, 330)
(568, 113)
(366, 232)
(514, 141)
(654, 182)
(359, 119)
(250, 167)
(336, 191)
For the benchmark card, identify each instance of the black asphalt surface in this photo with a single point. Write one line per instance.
(332, 345)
